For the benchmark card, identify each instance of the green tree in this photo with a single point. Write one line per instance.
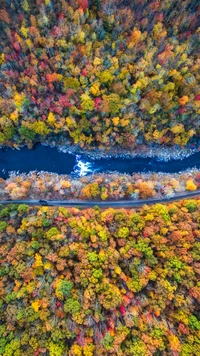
(27, 133)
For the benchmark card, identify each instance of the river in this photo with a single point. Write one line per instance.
(46, 158)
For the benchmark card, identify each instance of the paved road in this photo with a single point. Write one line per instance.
(104, 204)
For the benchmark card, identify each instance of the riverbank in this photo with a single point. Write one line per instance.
(143, 151)
(95, 187)
(159, 152)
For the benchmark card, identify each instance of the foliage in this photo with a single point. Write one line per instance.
(99, 73)
(22, 208)
(117, 282)
(115, 186)
(190, 185)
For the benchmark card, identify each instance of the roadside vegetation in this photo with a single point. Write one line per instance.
(115, 186)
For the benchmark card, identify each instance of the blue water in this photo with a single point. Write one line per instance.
(43, 158)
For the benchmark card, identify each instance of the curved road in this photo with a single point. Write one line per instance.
(104, 204)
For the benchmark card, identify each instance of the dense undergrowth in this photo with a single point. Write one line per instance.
(100, 282)
(100, 73)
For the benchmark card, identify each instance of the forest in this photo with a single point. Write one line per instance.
(100, 282)
(112, 79)
(100, 73)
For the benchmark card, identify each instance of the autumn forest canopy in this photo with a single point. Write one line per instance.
(100, 73)
(91, 282)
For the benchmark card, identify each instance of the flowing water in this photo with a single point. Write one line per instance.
(44, 158)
